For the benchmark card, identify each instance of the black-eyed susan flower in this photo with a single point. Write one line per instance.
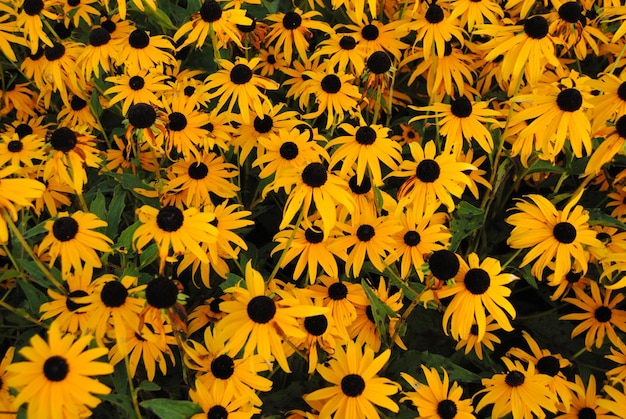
(473, 343)
(312, 248)
(143, 50)
(437, 399)
(136, 85)
(74, 239)
(421, 234)
(356, 388)
(334, 95)
(78, 113)
(572, 23)
(206, 314)
(618, 354)
(520, 391)
(220, 401)
(373, 35)
(60, 73)
(585, 402)
(219, 365)
(228, 219)
(433, 179)
(552, 235)
(368, 198)
(572, 279)
(365, 146)
(616, 405)
(610, 103)
(21, 97)
(600, 317)
(21, 151)
(71, 312)
(71, 151)
(7, 36)
(370, 237)
(141, 343)
(56, 378)
(184, 132)
(611, 145)
(473, 13)
(170, 226)
(480, 288)
(549, 364)
(293, 30)
(213, 21)
(342, 53)
(435, 26)
(312, 184)
(6, 398)
(258, 323)
(236, 83)
(200, 178)
(30, 21)
(100, 53)
(55, 196)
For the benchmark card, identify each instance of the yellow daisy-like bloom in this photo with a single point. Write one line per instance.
(220, 401)
(334, 94)
(373, 35)
(71, 312)
(611, 102)
(56, 380)
(312, 184)
(6, 399)
(520, 391)
(356, 386)
(600, 316)
(617, 405)
(473, 13)
(293, 29)
(29, 20)
(218, 366)
(368, 236)
(100, 53)
(7, 29)
(557, 112)
(342, 53)
(20, 192)
(144, 51)
(237, 83)
(198, 179)
(271, 61)
(211, 19)
(473, 343)
(526, 49)
(422, 233)
(480, 288)
(437, 399)
(20, 151)
(434, 28)
(553, 235)
(78, 112)
(433, 179)
(228, 218)
(71, 150)
(548, 364)
(185, 130)
(256, 322)
(367, 146)
(611, 145)
(584, 402)
(136, 85)
(170, 226)
(73, 238)
(312, 248)
(463, 119)
(618, 354)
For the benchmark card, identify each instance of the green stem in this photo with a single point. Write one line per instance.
(23, 314)
(287, 245)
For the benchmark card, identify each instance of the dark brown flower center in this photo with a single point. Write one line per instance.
(352, 385)
(337, 291)
(113, 294)
(240, 74)
(261, 309)
(461, 107)
(569, 100)
(316, 325)
(139, 39)
(365, 232)
(78, 103)
(178, 121)
(331, 84)
(363, 188)
(536, 27)
(223, 367)
(214, 305)
(314, 235)
(434, 14)
(189, 90)
(33, 7)
(347, 42)
(161, 292)
(22, 130)
(412, 238)
(198, 171)
(170, 218)
(514, 379)
(289, 150)
(365, 135)
(15, 146)
(109, 25)
(263, 125)
(54, 52)
(477, 281)
(217, 412)
(446, 409)
(136, 83)
(141, 115)
(548, 365)
(428, 171)
(65, 229)
(210, 11)
(292, 20)
(564, 232)
(621, 91)
(370, 32)
(443, 264)
(63, 31)
(587, 413)
(72, 305)
(56, 368)
(571, 12)
(314, 175)
(603, 314)
(379, 62)
(620, 126)
(99, 37)
(63, 139)
(573, 277)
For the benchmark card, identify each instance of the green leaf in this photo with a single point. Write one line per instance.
(159, 17)
(35, 231)
(271, 5)
(34, 297)
(115, 211)
(98, 206)
(466, 219)
(597, 217)
(126, 238)
(542, 166)
(231, 281)
(148, 386)
(411, 361)
(529, 277)
(132, 183)
(171, 409)
(148, 255)
(380, 311)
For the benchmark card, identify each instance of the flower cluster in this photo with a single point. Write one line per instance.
(332, 209)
